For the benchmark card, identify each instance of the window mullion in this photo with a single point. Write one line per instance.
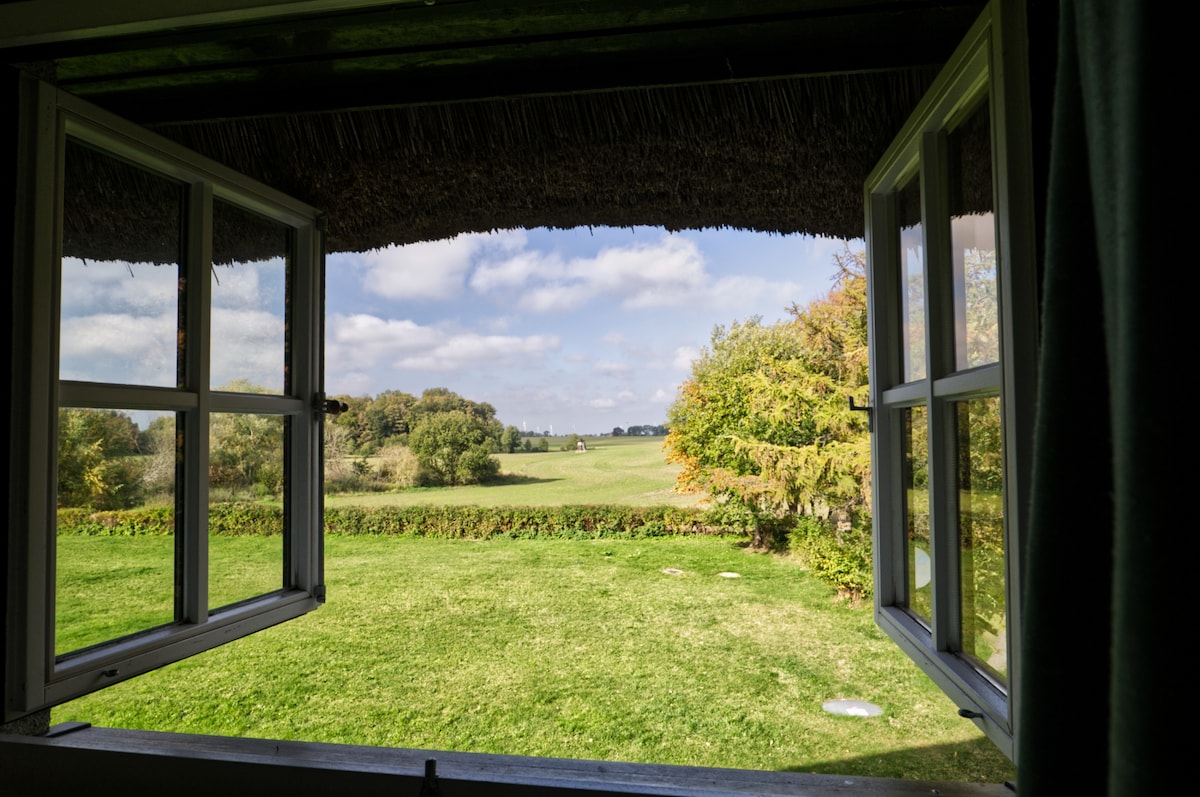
(302, 557)
(191, 517)
(939, 347)
(884, 349)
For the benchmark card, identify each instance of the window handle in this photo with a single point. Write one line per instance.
(329, 406)
(864, 408)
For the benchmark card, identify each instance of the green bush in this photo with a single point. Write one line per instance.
(840, 559)
(157, 520)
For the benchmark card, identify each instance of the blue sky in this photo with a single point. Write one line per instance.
(565, 330)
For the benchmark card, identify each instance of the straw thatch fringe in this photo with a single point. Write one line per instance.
(780, 156)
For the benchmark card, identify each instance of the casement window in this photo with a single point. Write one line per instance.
(953, 337)
(159, 292)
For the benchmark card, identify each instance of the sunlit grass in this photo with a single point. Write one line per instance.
(614, 470)
(578, 649)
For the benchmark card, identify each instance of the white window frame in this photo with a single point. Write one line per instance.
(37, 678)
(990, 61)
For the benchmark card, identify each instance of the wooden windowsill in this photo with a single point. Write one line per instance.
(106, 760)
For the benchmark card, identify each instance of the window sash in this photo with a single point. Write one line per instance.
(981, 67)
(38, 676)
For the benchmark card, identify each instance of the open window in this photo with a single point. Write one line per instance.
(174, 319)
(953, 342)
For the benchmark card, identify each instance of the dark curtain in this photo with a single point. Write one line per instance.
(1104, 684)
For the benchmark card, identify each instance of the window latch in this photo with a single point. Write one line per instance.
(329, 406)
(864, 408)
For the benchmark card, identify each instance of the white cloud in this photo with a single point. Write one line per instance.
(470, 350)
(247, 344)
(517, 271)
(684, 356)
(432, 269)
(361, 342)
(559, 297)
(613, 339)
(118, 347)
(139, 289)
(602, 403)
(611, 368)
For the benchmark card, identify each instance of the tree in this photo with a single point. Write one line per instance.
(510, 439)
(617, 431)
(245, 449)
(764, 423)
(454, 447)
(97, 466)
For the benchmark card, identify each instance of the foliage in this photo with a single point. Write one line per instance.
(841, 558)
(398, 466)
(242, 518)
(454, 447)
(510, 439)
(231, 518)
(97, 466)
(764, 425)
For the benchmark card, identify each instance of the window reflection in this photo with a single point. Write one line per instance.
(249, 301)
(973, 243)
(115, 572)
(912, 285)
(119, 317)
(981, 533)
(246, 488)
(918, 591)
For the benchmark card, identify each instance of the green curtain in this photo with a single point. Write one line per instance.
(1100, 696)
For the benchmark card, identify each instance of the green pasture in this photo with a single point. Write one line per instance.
(614, 470)
(581, 649)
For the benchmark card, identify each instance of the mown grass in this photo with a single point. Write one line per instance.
(614, 470)
(578, 649)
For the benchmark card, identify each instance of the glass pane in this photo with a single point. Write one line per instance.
(115, 545)
(973, 244)
(119, 319)
(249, 302)
(981, 533)
(245, 515)
(916, 512)
(912, 285)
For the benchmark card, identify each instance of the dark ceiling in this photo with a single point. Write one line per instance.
(422, 119)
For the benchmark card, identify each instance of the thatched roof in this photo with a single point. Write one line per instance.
(416, 121)
(780, 156)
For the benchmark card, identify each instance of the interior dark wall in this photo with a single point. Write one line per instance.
(9, 83)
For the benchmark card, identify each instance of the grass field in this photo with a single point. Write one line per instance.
(578, 649)
(614, 470)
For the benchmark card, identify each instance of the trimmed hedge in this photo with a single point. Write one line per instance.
(456, 522)
(841, 560)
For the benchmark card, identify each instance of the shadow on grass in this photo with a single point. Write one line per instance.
(508, 479)
(977, 761)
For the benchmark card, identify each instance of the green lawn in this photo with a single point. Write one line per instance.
(579, 649)
(614, 470)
